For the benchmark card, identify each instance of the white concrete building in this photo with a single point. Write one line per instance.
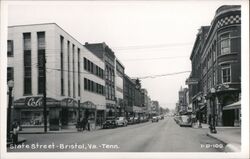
(74, 77)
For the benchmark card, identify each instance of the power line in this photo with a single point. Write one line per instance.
(162, 75)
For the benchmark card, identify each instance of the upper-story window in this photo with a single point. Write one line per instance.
(224, 44)
(27, 41)
(10, 51)
(226, 74)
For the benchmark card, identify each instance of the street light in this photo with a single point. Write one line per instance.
(10, 86)
(212, 124)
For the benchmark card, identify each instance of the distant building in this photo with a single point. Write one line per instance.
(183, 100)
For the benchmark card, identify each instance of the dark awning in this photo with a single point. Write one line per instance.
(236, 105)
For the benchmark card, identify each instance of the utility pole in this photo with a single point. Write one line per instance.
(44, 94)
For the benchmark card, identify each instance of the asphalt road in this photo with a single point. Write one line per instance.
(162, 136)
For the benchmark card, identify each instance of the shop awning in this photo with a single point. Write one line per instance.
(236, 105)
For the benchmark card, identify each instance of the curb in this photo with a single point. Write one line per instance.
(217, 138)
(56, 132)
(229, 146)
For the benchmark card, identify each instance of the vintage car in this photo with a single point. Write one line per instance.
(155, 119)
(110, 123)
(121, 121)
(185, 120)
(130, 120)
(136, 120)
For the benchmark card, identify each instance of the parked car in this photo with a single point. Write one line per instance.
(136, 120)
(185, 120)
(161, 117)
(110, 123)
(155, 119)
(121, 121)
(131, 120)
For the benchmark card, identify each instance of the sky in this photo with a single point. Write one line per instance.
(149, 38)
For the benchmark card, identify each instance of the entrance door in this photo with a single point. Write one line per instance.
(64, 117)
(228, 117)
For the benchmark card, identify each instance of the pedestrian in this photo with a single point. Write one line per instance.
(16, 128)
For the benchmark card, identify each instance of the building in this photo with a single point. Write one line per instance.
(129, 96)
(105, 53)
(74, 89)
(119, 86)
(155, 107)
(215, 80)
(183, 100)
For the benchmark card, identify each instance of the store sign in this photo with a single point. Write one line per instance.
(191, 81)
(34, 101)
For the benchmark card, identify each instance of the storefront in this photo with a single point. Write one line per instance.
(111, 110)
(89, 113)
(30, 113)
(235, 109)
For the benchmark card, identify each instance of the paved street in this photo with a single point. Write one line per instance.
(164, 136)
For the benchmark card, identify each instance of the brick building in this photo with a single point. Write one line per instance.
(215, 80)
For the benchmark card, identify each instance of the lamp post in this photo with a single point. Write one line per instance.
(10, 86)
(212, 127)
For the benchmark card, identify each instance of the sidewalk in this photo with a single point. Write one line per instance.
(41, 131)
(231, 136)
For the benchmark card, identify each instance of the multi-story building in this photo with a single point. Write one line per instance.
(72, 91)
(129, 95)
(119, 84)
(215, 80)
(105, 53)
(183, 100)
(155, 107)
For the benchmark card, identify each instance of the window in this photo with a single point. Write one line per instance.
(79, 83)
(10, 51)
(85, 63)
(225, 44)
(27, 63)
(41, 40)
(27, 41)
(73, 63)
(10, 73)
(62, 62)
(91, 67)
(226, 74)
(41, 55)
(68, 52)
(85, 84)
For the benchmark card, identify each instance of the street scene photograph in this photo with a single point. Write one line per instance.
(125, 77)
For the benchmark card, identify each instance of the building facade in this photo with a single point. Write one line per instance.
(215, 80)
(72, 91)
(105, 53)
(119, 86)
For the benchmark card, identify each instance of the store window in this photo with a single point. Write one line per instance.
(226, 74)
(30, 118)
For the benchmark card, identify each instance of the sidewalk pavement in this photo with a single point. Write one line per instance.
(41, 130)
(230, 136)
